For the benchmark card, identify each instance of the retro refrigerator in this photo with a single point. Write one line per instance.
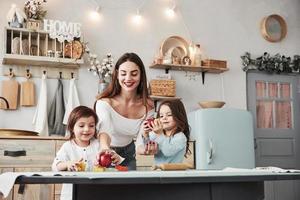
(224, 138)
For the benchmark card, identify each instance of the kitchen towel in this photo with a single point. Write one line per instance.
(40, 120)
(8, 179)
(57, 111)
(73, 100)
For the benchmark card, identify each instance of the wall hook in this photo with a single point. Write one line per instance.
(28, 75)
(11, 74)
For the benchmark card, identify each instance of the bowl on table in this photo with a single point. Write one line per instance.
(211, 104)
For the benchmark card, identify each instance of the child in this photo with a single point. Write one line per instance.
(170, 131)
(79, 153)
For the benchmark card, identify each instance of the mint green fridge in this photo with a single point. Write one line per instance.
(224, 138)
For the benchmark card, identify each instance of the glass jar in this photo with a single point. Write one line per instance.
(197, 55)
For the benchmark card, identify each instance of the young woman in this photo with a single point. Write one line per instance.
(123, 107)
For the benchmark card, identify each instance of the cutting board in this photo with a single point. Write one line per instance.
(173, 166)
(10, 91)
(27, 93)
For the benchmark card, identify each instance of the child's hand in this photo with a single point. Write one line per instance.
(73, 165)
(146, 126)
(157, 126)
(151, 148)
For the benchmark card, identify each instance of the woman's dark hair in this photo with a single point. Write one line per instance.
(114, 87)
(180, 117)
(76, 114)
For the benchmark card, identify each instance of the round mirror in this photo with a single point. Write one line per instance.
(273, 28)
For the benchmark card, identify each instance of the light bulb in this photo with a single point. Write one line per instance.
(170, 12)
(95, 14)
(137, 18)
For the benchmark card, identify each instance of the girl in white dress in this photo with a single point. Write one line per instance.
(79, 153)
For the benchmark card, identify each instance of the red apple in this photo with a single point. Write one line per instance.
(105, 159)
(150, 121)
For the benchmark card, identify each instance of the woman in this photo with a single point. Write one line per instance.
(122, 109)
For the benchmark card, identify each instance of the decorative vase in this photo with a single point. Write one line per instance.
(102, 86)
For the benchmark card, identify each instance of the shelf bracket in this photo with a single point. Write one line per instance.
(203, 77)
(167, 70)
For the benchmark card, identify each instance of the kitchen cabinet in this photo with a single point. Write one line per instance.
(25, 154)
(202, 69)
(34, 191)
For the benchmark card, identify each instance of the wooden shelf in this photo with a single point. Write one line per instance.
(14, 59)
(189, 68)
(202, 69)
(158, 98)
(31, 48)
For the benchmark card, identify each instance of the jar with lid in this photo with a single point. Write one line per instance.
(197, 55)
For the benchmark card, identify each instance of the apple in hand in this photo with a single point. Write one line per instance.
(105, 159)
(150, 121)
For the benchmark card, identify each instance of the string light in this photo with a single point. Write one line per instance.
(137, 18)
(170, 12)
(95, 14)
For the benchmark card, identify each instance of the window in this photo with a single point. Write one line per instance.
(273, 105)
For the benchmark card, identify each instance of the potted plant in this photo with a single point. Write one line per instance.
(101, 69)
(35, 13)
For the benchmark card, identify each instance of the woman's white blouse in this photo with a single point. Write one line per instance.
(122, 130)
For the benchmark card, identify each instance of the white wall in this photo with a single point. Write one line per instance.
(225, 29)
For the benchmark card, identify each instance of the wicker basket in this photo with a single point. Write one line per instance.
(214, 63)
(163, 87)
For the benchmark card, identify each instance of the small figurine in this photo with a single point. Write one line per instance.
(186, 60)
(15, 17)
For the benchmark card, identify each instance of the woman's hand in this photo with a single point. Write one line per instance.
(116, 158)
(151, 148)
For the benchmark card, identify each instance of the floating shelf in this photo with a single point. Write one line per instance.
(31, 48)
(202, 69)
(160, 98)
(14, 59)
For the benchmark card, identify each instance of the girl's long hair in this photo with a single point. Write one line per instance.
(76, 114)
(114, 87)
(180, 117)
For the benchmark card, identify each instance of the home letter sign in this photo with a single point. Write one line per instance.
(62, 30)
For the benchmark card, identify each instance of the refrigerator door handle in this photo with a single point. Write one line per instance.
(209, 154)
